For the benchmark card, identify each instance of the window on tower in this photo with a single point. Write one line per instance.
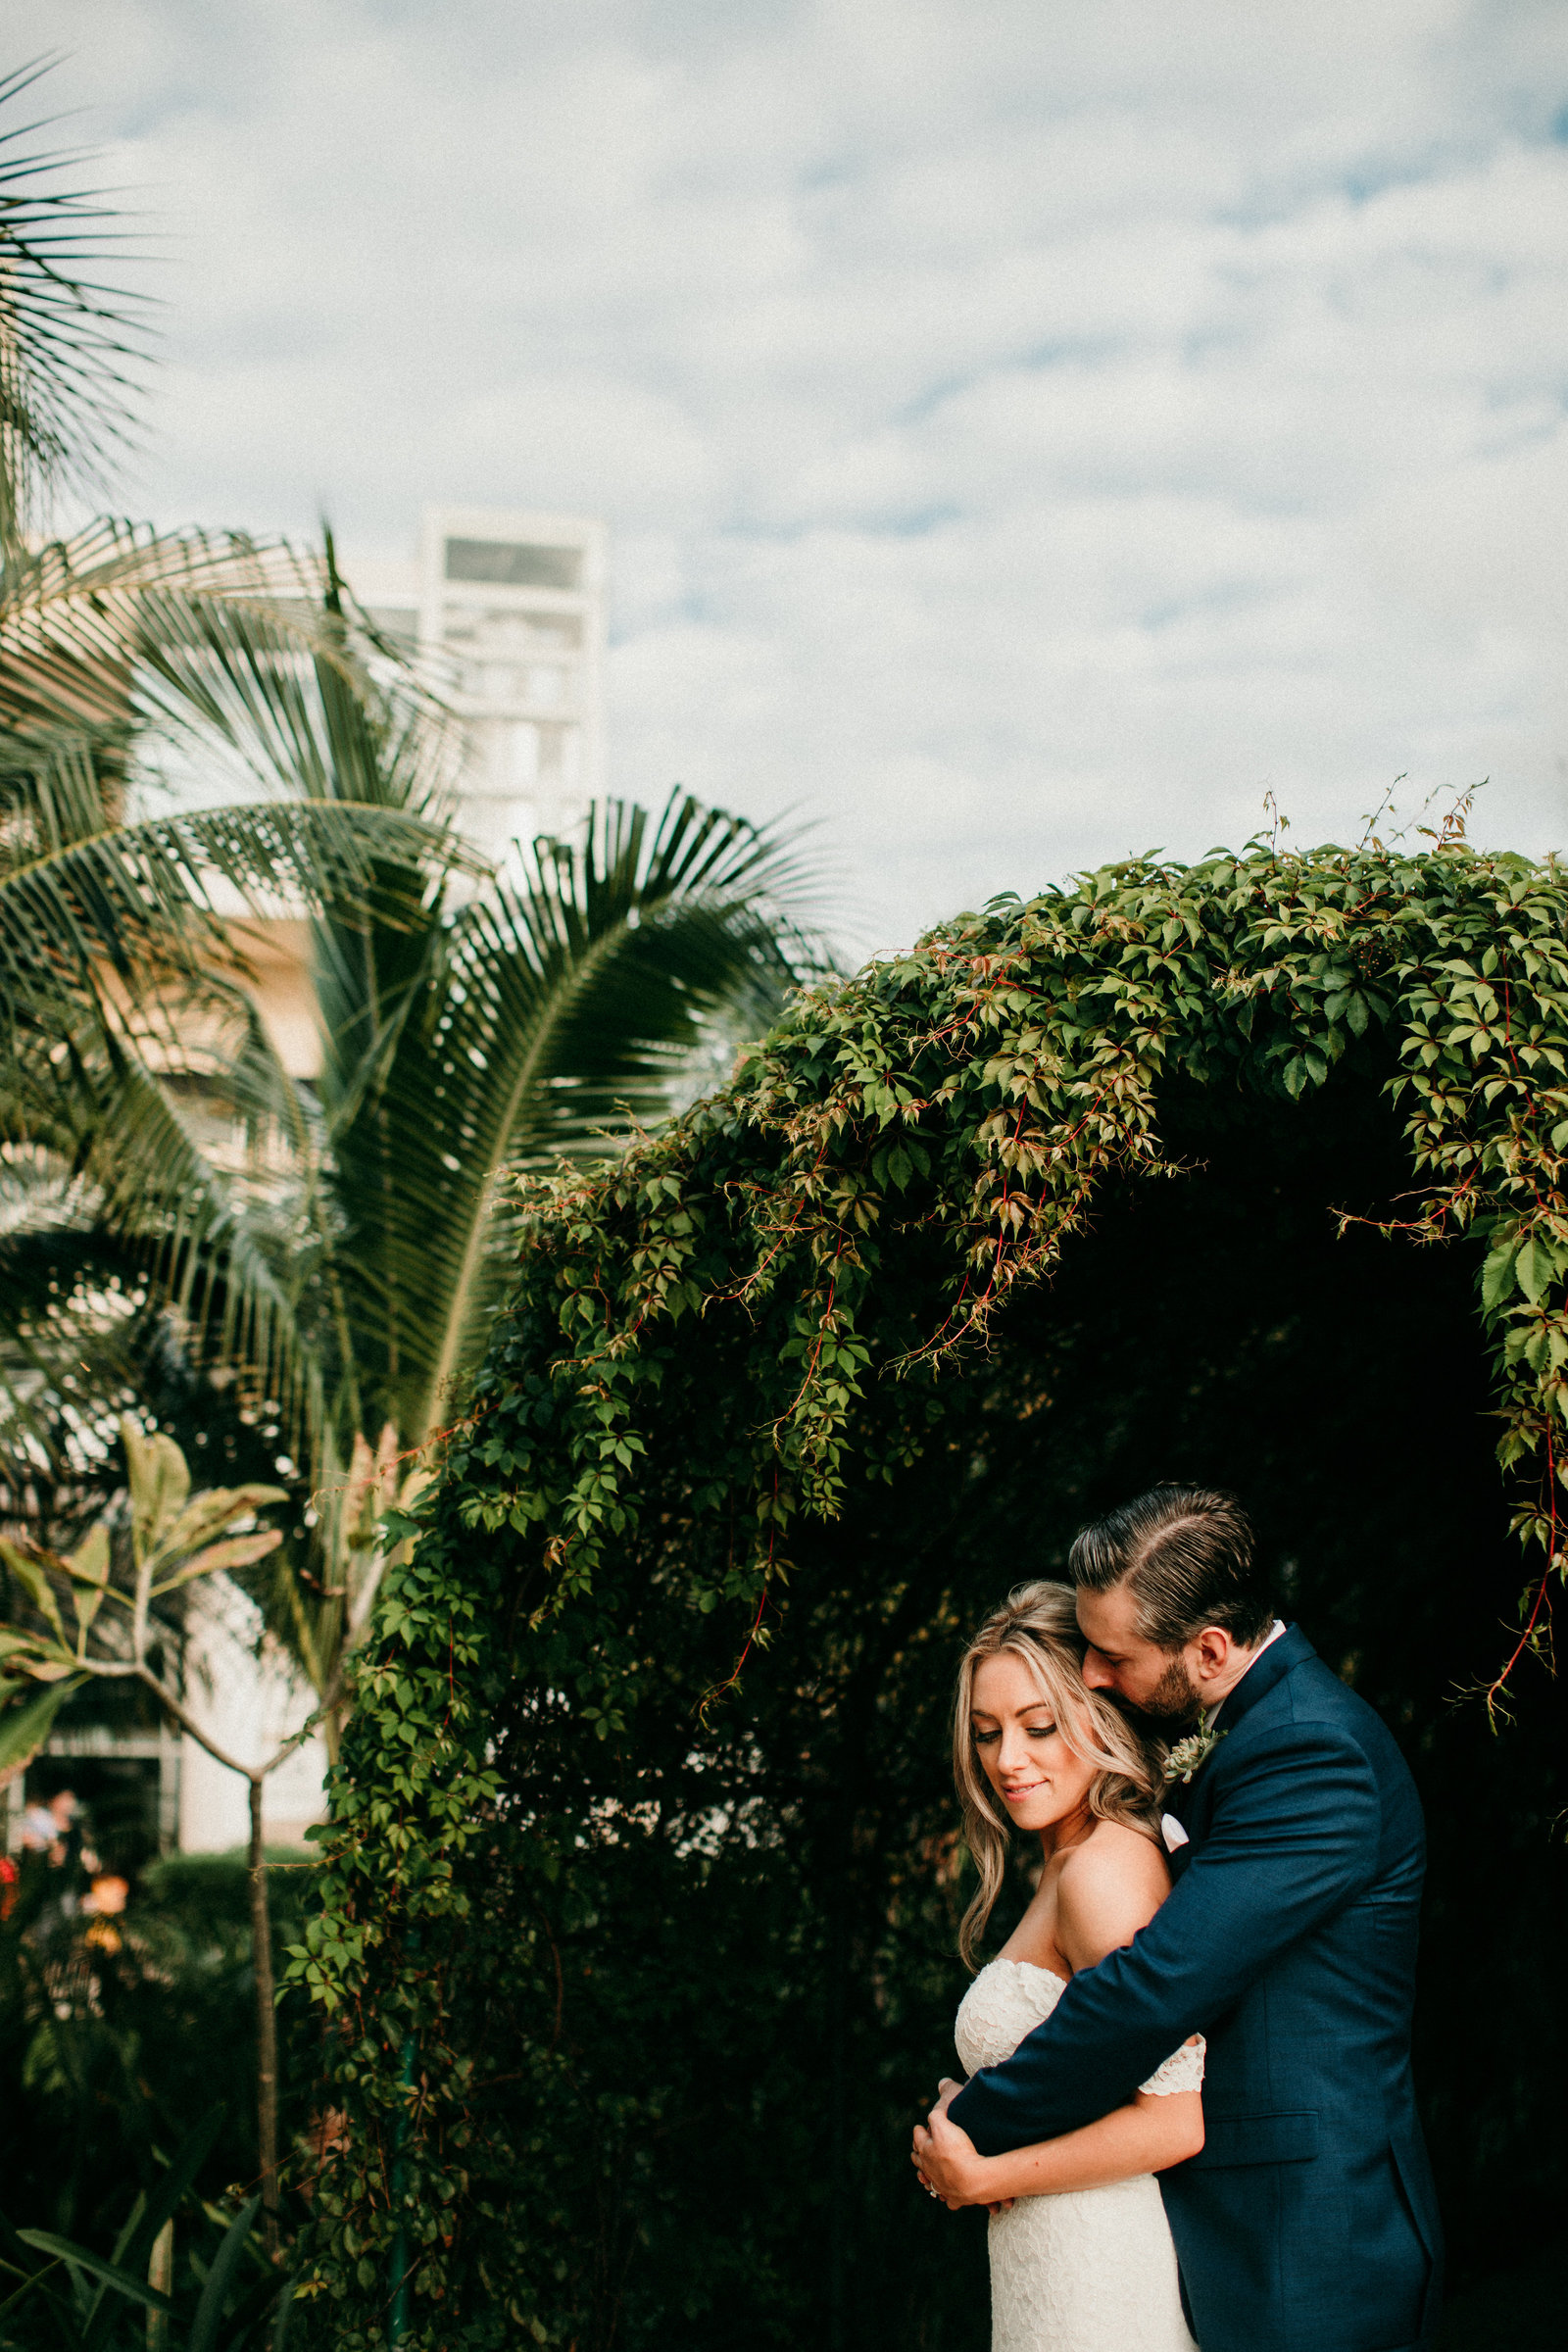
(510, 564)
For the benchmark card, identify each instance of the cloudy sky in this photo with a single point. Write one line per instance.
(1028, 432)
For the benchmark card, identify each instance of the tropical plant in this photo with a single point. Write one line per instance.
(464, 1044)
(85, 2295)
(176, 1540)
(351, 1272)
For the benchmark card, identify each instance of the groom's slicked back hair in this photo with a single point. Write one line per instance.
(1189, 1560)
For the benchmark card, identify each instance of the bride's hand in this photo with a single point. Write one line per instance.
(920, 2158)
(946, 2158)
(946, 2091)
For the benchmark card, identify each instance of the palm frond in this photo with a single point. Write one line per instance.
(78, 1333)
(557, 1009)
(160, 1194)
(54, 787)
(104, 924)
(73, 350)
(389, 737)
(213, 641)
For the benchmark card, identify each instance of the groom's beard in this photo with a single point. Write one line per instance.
(1174, 1698)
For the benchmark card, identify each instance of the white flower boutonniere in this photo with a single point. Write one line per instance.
(1190, 1753)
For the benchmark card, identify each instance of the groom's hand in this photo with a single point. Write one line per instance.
(946, 2158)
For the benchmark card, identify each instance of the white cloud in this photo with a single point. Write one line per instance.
(1027, 432)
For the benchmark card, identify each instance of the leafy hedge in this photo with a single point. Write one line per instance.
(711, 1339)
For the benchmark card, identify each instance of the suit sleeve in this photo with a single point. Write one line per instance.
(1293, 1838)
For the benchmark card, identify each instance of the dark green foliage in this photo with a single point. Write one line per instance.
(789, 1379)
(87, 2303)
(115, 2037)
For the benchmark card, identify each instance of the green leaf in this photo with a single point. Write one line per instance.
(27, 2286)
(187, 2161)
(34, 1581)
(235, 1551)
(1498, 1274)
(76, 347)
(89, 1562)
(207, 1513)
(83, 2258)
(88, 1566)
(160, 1481)
(23, 1730)
(1537, 1263)
(221, 2279)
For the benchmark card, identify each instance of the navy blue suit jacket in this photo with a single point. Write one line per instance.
(1309, 2223)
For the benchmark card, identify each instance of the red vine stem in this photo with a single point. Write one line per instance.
(1495, 1689)
(709, 1697)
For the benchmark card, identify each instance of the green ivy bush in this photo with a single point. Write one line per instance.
(633, 1968)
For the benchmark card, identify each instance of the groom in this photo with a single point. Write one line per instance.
(1308, 2221)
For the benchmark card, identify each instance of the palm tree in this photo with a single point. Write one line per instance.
(123, 650)
(338, 1245)
(467, 1035)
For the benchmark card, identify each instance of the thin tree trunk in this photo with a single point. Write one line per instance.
(266, 2021)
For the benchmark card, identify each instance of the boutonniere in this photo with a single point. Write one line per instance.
(1196, 1749)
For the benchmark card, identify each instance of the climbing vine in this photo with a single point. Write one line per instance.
(711, 1336)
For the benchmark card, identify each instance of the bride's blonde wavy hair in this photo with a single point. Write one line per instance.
(1040, 1625)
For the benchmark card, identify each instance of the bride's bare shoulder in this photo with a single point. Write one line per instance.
(1114, 1855)
(1110, 1887)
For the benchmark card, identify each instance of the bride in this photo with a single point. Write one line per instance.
(1081, 2256)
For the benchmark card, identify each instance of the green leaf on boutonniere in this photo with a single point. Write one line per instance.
(1188, 1754)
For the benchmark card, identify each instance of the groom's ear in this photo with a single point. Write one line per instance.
(1215, 1648)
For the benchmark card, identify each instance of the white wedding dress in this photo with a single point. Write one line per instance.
(1093, 2270)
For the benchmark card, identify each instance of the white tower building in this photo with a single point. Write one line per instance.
(512, 606)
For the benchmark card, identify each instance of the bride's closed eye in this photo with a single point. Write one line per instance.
(1036, 1731)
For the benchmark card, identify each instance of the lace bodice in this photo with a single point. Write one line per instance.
(1093, 2269)
(1008, 1998)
